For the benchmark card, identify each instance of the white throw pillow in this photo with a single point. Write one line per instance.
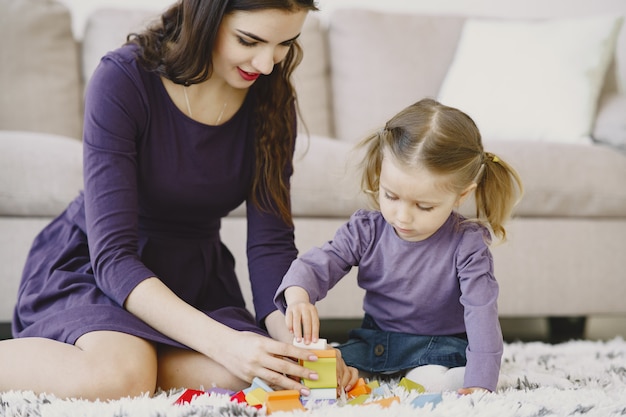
(532, 80)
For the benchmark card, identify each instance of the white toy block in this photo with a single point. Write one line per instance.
(321, 344)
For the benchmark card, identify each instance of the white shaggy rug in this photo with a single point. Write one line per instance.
(582, 378)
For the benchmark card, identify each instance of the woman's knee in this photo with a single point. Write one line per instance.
(186, 368)
(120, 365)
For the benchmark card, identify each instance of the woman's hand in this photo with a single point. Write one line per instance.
(243, 354)
(301, 316)
(251, 355)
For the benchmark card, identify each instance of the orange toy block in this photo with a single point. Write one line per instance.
(326, 368)
(360, 388)
(385, 402)
(286, 400)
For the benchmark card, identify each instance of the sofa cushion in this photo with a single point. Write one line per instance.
(39, 173)
(532, 79)
(39, 75)
(382, 62)
(565, 180)
(326, 181)
(312, 79)
(106, 30)
(610, 126)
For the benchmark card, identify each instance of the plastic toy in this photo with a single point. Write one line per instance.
(287, 400)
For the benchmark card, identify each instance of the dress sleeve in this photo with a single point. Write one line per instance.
(479, 295)
(319, 269)
(115, 113)
(270, 247)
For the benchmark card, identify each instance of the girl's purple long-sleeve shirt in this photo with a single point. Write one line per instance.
(443, 285)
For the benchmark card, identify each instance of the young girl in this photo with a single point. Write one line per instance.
(431, 295)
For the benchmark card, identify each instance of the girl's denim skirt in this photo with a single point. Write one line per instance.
(376, 351)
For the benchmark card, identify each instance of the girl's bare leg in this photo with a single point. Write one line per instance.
(101, 365)
(180, 368)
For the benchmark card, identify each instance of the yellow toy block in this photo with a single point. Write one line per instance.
(411, 386)
(286, 400)
(326, 368)
(257, 396)
(358, 400)
(373, 384)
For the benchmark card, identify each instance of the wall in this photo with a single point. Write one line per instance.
(527, 8)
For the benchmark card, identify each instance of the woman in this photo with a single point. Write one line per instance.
(130, 289)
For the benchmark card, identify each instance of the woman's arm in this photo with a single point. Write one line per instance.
(244, 354)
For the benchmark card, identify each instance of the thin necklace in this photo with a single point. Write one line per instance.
(219, 118)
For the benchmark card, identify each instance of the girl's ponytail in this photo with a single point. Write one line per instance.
(498, 189)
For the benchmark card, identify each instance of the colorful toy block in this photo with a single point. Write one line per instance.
(287, 400)
(321, 394)
(188, 395)
(423, 399)
(411, 385)
(326, 368)
(373, 384)
(220, 391)
(240, 397)
(359, 400)
(257, 396)
(385, 402)
(258, 383)
(360, 388)
(321, 344)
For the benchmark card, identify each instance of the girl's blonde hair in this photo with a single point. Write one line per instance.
(447, 142)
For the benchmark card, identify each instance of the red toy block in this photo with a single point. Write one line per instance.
(240, 397)
(188, 395)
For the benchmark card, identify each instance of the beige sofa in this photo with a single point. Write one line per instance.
(566, 243)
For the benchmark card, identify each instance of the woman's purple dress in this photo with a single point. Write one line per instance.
(157, 184)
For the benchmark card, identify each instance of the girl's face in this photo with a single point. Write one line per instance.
(249, 44)
(413, 200)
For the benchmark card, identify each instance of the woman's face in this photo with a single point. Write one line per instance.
(249, 44)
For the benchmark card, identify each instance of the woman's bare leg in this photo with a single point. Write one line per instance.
(101, 365)
(181, 368)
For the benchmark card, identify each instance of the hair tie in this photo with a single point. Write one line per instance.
(493, 157)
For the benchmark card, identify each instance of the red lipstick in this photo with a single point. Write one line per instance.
(248, 76)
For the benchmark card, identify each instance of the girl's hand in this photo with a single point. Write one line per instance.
(471, 390)
(301, 316)
(347, 376)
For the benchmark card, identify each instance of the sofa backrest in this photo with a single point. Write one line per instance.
(383, 61)
(39, 77)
